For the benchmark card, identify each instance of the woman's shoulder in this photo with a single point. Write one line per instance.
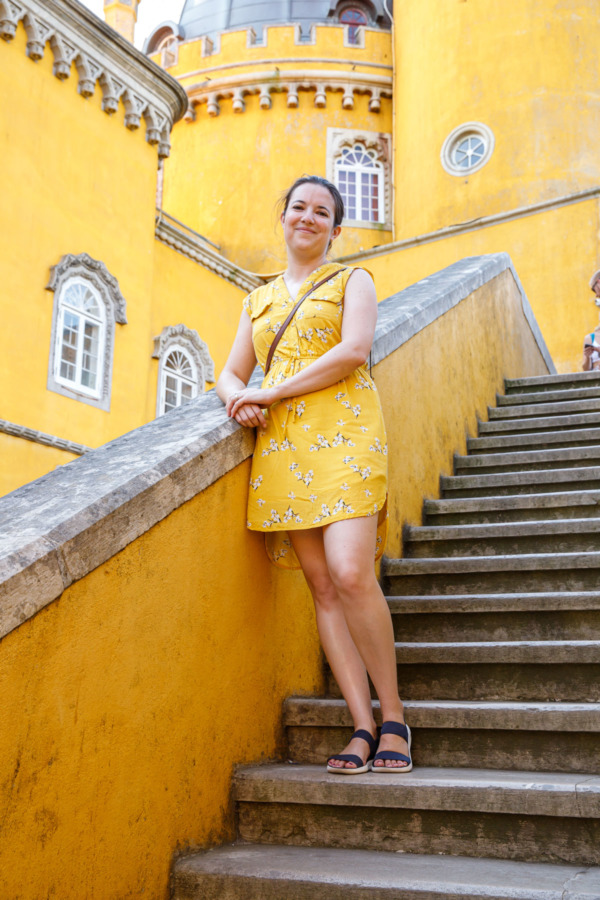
(353, 269)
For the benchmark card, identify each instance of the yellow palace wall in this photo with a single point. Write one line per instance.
(125, 704)
(553, 252)
(528, 70)
(227, 172)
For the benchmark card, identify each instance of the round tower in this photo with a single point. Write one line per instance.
(498, 107)
(277, 90)
(122, 16)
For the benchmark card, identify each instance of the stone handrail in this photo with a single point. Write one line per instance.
(55, 530)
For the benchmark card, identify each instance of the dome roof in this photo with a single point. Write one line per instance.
(201, 17)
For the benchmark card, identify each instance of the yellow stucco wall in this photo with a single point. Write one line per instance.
(525, 68)
(23, 461)
(554, 253)
(125, 704)
(227, 172)
(435, 387)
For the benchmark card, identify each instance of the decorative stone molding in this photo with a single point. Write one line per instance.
(40, 437)
(265, 83)
(191, 341)
(101, 56)
(381, 144)
(195, 247)
(95, 272)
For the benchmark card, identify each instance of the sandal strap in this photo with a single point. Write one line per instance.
(391, 754)
(397, 728)
(366, 736)
(349, 757)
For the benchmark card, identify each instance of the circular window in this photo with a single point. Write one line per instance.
(467, 148)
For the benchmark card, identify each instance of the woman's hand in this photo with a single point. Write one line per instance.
(246, 406)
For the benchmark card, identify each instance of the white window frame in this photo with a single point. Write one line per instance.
(187, 341)
(165, 373)
(65, 307)
(454, 140)
(82, 269)
(378, 146)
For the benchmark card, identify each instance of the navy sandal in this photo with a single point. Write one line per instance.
(403, 731)
(351, 757)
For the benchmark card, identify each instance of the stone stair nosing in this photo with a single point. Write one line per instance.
(516, 507)
(511, 483)
(538, 425)
(559, 396)
(257, 872)
(527, 460)
(533, 410)
(568, 438)
(550, 382)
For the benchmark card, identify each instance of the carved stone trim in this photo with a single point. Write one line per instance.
(95, 272)
(339, 138)
(40, 437)
(265, 83)
(192, 246)
(173, 337)
(101, 57)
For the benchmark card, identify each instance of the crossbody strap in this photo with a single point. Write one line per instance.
(295, 309)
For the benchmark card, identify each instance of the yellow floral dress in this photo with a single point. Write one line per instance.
(323, 455)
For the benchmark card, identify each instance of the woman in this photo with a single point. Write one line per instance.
(318, 483)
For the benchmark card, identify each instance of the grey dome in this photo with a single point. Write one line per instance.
(202, 17)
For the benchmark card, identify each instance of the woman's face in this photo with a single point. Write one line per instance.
(308, 222)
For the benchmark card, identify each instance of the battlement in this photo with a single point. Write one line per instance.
(282, 45)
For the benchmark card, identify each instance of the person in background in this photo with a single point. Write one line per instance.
(591, 342)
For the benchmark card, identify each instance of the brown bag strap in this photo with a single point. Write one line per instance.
(295, 309)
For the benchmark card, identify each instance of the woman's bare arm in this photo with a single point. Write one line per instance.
(358, 329)
(236, 372)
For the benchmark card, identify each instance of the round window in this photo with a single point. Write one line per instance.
(467, 148)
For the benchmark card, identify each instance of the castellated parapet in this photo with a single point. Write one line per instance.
(281, 59)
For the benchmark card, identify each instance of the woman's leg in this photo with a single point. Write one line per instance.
(343, 657)
(349, 551)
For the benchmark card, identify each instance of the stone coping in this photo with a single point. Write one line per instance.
(58, 528)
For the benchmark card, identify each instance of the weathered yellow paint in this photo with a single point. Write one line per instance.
(122, 16)
(226, 172)
(24, 460)
(527, 70)
(125, 704)
(435, 387)
(554, 253)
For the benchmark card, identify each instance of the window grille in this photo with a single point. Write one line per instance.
(80, 338)
(359, 178)
(179, 379)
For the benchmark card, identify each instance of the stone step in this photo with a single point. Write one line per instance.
(498, 617)
(517, 508)
(528, 460)
(585, 392)
(497, 484)
(537, 409)
(541, 425)
(562, 381)
(581, 437)
(559, 535)
(548, 572)
(268, 872)
(554, 737)
(527, 816)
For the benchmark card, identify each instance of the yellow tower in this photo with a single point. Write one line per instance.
(272, 99)
(122, 16)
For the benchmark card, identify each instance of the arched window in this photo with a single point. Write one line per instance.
(185, 365)
(354, 17)
(80, 338)
(169, 51)
(359, 176)
(178, 379)
(87, 304)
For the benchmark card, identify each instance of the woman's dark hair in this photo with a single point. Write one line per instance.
(338, 203)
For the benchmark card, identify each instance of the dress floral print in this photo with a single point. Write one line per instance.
(323, 455)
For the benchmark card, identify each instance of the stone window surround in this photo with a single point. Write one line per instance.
(180, 337)
(107, 287)
(337, 140)
(458, 134)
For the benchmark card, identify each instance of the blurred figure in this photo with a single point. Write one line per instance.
(591, 342)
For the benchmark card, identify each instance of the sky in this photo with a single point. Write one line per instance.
(150, 14)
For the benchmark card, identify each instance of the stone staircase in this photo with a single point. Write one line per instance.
(496, 607)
